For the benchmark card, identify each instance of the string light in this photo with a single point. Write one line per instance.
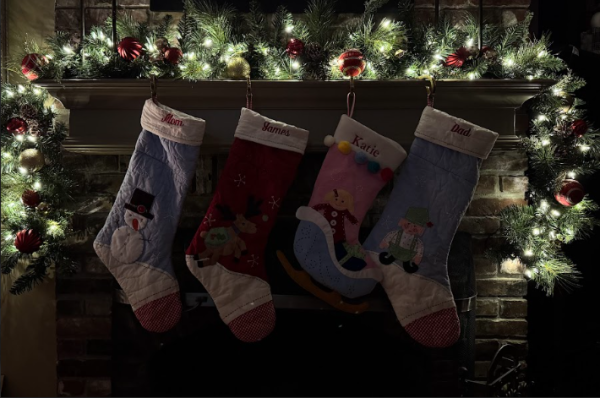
(438, 56)
(584, 148)
(509, 62)
(206, 67)
(31, 138)
(208, 43)
(571, 174)
(528, 274)
(109, 42)
(19, 138)
(9, 93)
(536, 231)
(545, 142)
(295, 65)
(542, 54)
(277, 70)
(555, 213)
(22, 170)
(470, 42)
(542, 118)
(552, 235)
(190, 55)
(8, 237)
(265, 50)
(6, 155)
(530, 77)
(528, 252)
(471, 76)
(382, 49)
(410, 71)
(67, 49)
(37, 185)
(289, 28)
(426, 72)
(101, 35)
(21, 88)
(49, 56)
(385, 23)
(543, 205)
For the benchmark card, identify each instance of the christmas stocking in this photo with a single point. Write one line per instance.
(227, 252)
(358, 164)
(412, 239)
(135, 243)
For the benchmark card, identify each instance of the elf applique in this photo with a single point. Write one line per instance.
(404, 245)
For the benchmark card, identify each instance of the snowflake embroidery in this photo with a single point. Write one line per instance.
(241, 180)
(274, 202)
(209, 220)
(253, 260)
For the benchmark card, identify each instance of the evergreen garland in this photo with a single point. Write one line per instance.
(212, 35)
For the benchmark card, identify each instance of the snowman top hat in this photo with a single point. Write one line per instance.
(140, 203)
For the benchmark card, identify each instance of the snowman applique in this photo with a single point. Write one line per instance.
(127, 242)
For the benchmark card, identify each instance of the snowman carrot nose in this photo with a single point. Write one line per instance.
(135, 223)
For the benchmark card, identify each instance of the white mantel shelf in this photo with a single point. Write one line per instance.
(105, 114)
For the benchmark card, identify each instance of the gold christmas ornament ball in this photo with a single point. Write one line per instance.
(237, 68)
(31, 160)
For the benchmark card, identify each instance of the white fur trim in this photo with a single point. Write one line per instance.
(171, 124)
(455, 133)
(387, 152)
(257, 128)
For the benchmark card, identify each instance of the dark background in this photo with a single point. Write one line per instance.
(564, 330)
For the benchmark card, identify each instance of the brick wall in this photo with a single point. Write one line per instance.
(84, 300)
(506, 12)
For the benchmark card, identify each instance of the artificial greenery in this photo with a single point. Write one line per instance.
(49, 219)
(400, 47)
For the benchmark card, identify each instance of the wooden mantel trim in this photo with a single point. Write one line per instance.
(390, 107)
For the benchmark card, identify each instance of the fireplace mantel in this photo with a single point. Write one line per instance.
(105, 114)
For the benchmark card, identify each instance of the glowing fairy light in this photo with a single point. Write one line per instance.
(385, 23)
(289, 28)
(472, 76)
(470, 42)
(182, 66)
(37, 185)
(208, 43)
(426, 72)
(6, 155)
(571, 174)
(110, 42)
(542, 118)
(101, 35)
(584, 148)
(19, 138)
(555, 213)
(49, 56)
(190, 55)
(530, 77)
(21, 88)
(382, 49)
(67, 49)
(543, 205)
(295, 65)
(31, 138)
(542, 54)
(265, 51)
(536, 231)
(94, 35)
(9, 93)
(528, 252)
(9, 237)
(22, 170)
(437, 55)
(552, 235)
(528, 274)
(410, 71)
(509, 62)
(206, 67)
(277, 70)
(545, 142)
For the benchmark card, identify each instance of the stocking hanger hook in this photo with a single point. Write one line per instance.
(430, 89)
(351, 98)
(153, 88)
(248, 93)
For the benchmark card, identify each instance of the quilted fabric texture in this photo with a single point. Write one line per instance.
(326, 245)
(411, 241)
(135, 243)
(227, 252)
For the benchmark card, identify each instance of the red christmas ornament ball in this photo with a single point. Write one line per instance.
(32, 64)
(173, 55)
(31, 198)
(294, 48)
(28, 241)
(17, 126)
(571, 192)
(352, 63)
(458, 58)
(579, 128)
(129, 48)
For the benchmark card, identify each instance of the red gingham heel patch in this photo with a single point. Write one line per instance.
(160, 315)
(255, 324)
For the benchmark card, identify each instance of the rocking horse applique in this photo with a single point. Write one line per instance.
(225, 241)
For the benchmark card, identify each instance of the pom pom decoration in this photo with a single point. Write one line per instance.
(329, 140)
(361, 157)
(570, 193)
(579, 128)
(294, 48)
(28, 241)
(32, 65)
(17, 126)
(129, 48)
(173, 55)
(458, 58)
(345, 147)
(31, 160)
(373, 167)
(237, 68)
(387, 174)
(352, 63)
(30, 198)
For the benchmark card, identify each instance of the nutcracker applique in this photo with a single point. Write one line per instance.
(404, 245)
(127, 242)
(339, 207)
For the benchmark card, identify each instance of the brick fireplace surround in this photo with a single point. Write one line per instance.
(85, 308)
